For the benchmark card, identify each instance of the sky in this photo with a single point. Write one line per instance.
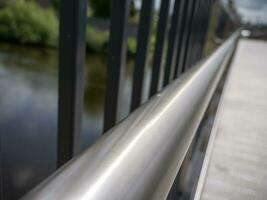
(254, 11)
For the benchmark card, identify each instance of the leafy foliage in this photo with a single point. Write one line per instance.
(26, 23)
(96, 40)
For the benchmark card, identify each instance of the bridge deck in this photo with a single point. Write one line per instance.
(237, 152)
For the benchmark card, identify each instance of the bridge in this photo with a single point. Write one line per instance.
(200, 133)
(235, 162)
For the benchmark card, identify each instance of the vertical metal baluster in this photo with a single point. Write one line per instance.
(159, 49)
(181, 38)
(146, 20)
(220, 32)
(71, 77)
(173, 41)
(200, 30)
(189, 18)
(194, 34)
(120, 10)
(207, 22)
(182, 11)
(201, 34)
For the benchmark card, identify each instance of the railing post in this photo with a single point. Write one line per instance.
(184, 46)
(207, 23)
(195, 32)
(159, 48)
(191, 34)
(71, 77)
(173, 41)
(142, 51)
(201, 30)
(181, 38)
(117, 60)
(197, 45)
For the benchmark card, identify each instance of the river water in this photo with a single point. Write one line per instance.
(28, 112)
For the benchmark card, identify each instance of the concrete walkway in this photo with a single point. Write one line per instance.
(235, 166)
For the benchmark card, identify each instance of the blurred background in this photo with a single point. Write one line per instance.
(28, 77)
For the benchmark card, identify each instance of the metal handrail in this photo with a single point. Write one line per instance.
(141, 156)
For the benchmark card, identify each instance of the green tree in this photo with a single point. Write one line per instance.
(26, 22)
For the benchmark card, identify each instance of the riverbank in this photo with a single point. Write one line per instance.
(26, 23)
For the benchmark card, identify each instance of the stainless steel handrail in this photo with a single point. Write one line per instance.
(141, 156)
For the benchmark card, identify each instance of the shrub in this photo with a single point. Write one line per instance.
(96, 40)
(26, 23)
(132, 45)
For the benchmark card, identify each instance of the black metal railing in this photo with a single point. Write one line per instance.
(71, 77)
(180, 34)
(140, 157)
(184, 40)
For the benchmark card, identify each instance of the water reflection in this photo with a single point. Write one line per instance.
(28, 112)
(27, 127)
